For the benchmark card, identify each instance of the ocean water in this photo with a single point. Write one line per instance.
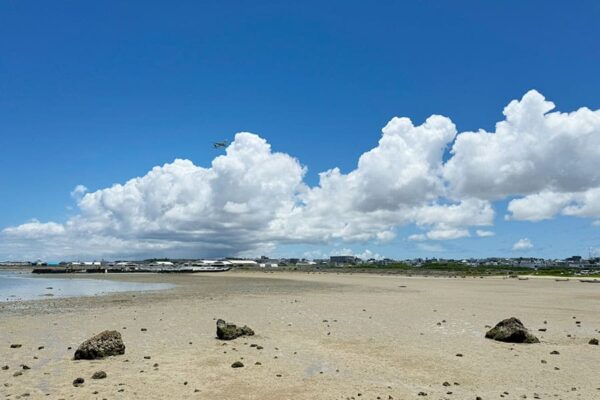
(23, 286)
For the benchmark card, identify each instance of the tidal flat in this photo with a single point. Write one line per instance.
(318, 336)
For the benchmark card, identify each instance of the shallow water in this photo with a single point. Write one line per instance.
(23, 286)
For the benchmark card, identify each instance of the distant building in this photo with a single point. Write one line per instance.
(268, 262)
(343, 260)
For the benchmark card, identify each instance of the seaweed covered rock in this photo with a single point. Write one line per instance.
(228, 331)
(511, 330)
(104, 344)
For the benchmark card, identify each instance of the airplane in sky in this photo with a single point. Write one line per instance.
(223, 144)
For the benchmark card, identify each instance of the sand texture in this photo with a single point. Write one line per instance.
(318, 336)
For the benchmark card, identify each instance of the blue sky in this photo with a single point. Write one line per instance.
(97, 93)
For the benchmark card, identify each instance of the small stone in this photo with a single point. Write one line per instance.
(16, 346)
(78, 382)
(99, 375)
(593, 341)
(237, 364)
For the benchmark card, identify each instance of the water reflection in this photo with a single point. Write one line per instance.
(19, 287)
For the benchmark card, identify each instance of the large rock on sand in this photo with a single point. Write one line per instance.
(511, 330)
(227, 331)
(104, 344)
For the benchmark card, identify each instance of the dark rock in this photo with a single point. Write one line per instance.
(104, 344)
(99, 375)
(15, 346)
(593, 341)
(237, 364)
(78, 381)
(511, 330)
(5, 367)
(227, 331)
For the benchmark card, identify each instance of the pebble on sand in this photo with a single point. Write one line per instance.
(78, 382)
(99, 375)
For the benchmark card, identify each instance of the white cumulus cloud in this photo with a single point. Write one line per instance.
(78, 191)
(252, 199)
(532, 150)
(522, 244)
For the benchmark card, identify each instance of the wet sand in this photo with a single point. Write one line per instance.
(324, 336)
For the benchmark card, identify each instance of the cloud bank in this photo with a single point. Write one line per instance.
(252, 199)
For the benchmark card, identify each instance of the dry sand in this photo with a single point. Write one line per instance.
(324, 336)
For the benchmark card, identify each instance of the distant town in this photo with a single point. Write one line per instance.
(575, 265)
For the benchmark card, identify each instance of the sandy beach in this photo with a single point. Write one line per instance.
(323, 336)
